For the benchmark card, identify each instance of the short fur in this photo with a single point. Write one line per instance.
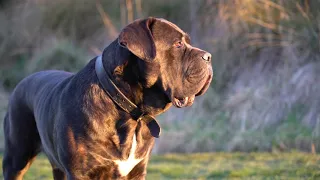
(76, 124)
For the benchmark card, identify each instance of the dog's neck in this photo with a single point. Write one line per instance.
(123, 68)
(119, 64)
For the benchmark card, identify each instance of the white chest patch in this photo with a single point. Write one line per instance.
(125, 166)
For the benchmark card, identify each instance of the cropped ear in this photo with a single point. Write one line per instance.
(138, 39)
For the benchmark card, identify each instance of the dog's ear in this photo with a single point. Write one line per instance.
(137, 38)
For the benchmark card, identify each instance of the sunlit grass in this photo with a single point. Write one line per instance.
(216, 166)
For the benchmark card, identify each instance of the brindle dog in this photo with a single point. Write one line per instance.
(81, 128)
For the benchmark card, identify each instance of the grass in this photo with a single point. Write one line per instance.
(294, 165)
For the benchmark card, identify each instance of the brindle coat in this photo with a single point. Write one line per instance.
(82, 131)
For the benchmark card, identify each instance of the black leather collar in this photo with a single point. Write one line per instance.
(122, 101)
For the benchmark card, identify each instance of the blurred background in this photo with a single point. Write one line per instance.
(266, 57)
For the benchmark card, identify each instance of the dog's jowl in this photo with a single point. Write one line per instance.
(100, 123)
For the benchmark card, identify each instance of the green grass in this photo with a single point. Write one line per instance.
(293, 165)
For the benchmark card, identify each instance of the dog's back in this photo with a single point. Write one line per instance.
(40, 83)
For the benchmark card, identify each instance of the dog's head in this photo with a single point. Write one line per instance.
(167, 59)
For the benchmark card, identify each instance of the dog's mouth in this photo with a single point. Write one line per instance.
(183, 102)
(206, 86)
(180, 102)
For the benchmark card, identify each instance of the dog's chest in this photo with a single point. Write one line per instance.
(125, 166)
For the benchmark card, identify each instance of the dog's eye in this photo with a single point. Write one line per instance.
(178, 44)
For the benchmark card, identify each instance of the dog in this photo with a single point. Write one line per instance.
(100, 122)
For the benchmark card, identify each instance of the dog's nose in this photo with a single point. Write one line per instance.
(206, 57)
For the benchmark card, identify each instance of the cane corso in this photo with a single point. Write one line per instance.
(99, 123)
